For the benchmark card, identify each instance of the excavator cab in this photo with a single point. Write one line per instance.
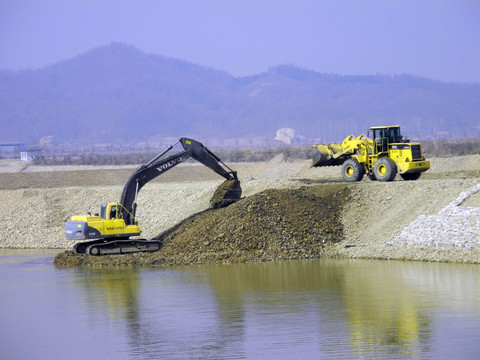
(111, 211)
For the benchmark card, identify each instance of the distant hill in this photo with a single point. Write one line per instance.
(119, 94)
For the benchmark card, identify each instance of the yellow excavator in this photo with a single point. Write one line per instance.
(112, 228)
(381, 156)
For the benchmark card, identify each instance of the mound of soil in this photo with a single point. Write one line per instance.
(272, 225)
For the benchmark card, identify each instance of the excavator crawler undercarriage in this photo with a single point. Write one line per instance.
(119, 247)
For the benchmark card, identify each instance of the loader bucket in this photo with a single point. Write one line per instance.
(227, 193)
(324, 155)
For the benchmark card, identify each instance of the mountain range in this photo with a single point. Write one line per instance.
(119, 94)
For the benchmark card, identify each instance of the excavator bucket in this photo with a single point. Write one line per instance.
(227, 193)
(327, 155)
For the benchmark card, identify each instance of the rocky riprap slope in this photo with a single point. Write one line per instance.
(457, 224)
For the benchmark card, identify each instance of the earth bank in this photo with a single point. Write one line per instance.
(308, 212)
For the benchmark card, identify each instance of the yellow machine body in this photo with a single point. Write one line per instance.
(109, 223)
(380, 157)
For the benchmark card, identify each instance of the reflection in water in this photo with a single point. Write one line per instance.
(309, 309)
(383, 310)
(112, 297)
(378, 306)
(284, 308)
(268, 308)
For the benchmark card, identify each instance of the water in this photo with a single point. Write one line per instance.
(351, 309)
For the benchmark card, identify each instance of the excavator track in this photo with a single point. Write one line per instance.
(117, 247)
(81, 247)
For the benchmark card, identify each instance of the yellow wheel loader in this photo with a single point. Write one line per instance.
(381, 156)
(116, 223)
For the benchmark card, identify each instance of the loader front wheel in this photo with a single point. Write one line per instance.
(385, 169)
(352, 170)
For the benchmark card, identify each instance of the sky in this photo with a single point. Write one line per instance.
(436, 39)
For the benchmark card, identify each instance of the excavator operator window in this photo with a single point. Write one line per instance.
(103, 211)
(113, 212)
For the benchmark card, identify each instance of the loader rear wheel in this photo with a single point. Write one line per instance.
(411, 176)
(352, 170)
(385, 169)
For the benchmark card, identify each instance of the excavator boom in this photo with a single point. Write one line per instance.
(162, 163)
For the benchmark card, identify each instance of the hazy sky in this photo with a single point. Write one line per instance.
(437, 39)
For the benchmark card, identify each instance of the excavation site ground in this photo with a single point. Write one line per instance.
(289, 210)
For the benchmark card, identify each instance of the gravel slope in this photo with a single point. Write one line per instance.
(436, 218)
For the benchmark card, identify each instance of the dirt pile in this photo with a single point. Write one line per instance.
(271, 225)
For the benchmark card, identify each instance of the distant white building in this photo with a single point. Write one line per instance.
(285, 135)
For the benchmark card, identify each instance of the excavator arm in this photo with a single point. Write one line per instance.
(162, 163)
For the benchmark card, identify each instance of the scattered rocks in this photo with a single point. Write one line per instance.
(454, 225)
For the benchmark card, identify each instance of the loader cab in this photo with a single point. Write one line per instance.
(384, 135)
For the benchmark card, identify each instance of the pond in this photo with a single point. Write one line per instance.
(307, 309)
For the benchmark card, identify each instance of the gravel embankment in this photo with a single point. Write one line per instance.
(457, 224)
(436, 218)
(422, 220)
